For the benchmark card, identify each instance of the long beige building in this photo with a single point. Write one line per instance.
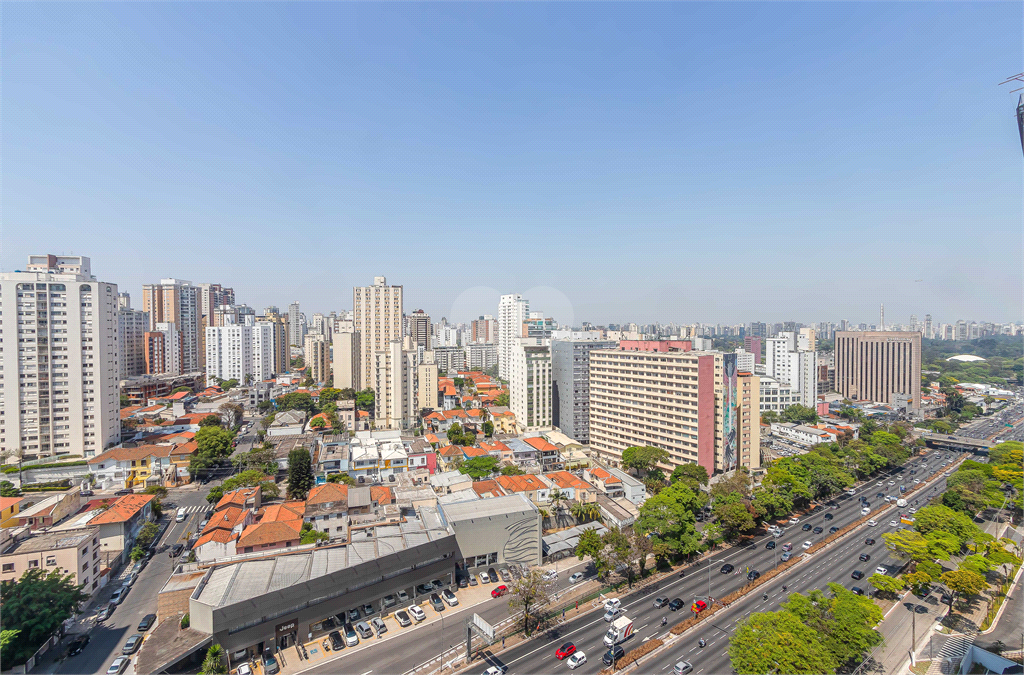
(875, 365)
(377, 318)
(695, 405)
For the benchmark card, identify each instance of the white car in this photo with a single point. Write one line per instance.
(916, 481)
(417, 613)
(550, 575)
(881, 570)
(879, 483)
(612, 603)
(244, 669)
(892, 482)
(913, 511)
(578, 576)
(893, 523)
(794, 521)
(495, 670)
(806, 545)
(449, 597)
(576, 660)
(851, 492)
(612, 613)
(872, 522)
(484, 579)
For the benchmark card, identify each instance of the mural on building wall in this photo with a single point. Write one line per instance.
(729, 411)
(521, 544)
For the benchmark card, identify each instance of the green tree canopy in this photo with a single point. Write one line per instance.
(298, 400)
(501, 399)
(365, 399)
(800, 414)
(643, 459)
(214, 664)
(844, 623)
(964, 582)
(694, 474)
(511, 470)
(479, 467)
(733, 515)
(341, 478)
(300, 473)
(777, 642)
(210, 420)
(36, 604)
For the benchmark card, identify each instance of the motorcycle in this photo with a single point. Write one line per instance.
(701, 643)
(664, 620)
(765, 596)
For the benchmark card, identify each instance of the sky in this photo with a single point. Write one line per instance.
(673, 162)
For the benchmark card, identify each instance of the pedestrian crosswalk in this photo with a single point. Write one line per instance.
(189, 510)
(956, 646)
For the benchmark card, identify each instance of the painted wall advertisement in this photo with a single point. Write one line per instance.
(730, 411)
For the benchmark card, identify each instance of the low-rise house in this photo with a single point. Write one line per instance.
(449, 457)
(471, 452)
(523, 454)
(74, 552)
(220, 536)
(131, 467)
(610, 485)
(9, 507)
(573, 487)
(497, 449)
(287, 423)
(633, 490)
(805, 435)
(450, 481)
(119, 522)
(503, 419)
(50, 511)
(547, 453)
(332, 453)
(279, 526)
(421, 455)
(327, 509)
(377, 455)
(488, 489)
(535, 488)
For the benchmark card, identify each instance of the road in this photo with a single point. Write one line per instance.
(409, 649)
(107, 638)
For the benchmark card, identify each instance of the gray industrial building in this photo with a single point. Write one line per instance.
(570, 384)
(272, 601)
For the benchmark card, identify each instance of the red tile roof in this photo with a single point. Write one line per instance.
(328, 492)
(123, 509)
(523, 483)
(540, 444)
(236, 497)
(450, 451)
(8, 502)
(475, 452)
(603, 476)
(486, 488)
(566, 480)
(381, 494)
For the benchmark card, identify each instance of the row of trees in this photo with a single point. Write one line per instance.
(622, 552)
(247, 478)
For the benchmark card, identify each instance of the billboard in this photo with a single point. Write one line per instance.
(730, 410)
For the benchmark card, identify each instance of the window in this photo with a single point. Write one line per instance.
(8, 567)
(51, 560)
(32, 564)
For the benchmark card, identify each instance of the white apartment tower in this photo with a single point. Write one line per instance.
(787, 363)
(59, 355)
(243, 352)
(395, 402)
(132, 325)
(530, 384)
(296, 325)
(377, 318)
(316, 350)
(513, 310)
(177, 301)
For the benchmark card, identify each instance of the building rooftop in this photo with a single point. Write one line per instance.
(52, 541)
(485, 508)
(123, 509)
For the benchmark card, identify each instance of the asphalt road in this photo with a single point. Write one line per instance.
(411, 648)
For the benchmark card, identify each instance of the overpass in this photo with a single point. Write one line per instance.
(977, 445)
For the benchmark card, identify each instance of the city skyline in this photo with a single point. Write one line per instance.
(596, 154)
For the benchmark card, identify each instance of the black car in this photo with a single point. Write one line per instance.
(869, 541)
(806, 527)
(727, 568)
(833, 529)
(866, 505)
(328, 623)
(828, 516)
(78, 644)
(337, 643)
(436, 602)
(770, 545)
(146, 623)
(857, 590)
(677, 603)
(176, 550)
(752, 575)
(613, 654)
(864, 557)
(880, 495)
(493, 574)
(817, 530)
(126, 491)
(857, 574)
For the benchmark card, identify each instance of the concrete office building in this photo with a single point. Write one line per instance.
(59, 324)
(176, 301)
(695, 405)
(132, 325)
(316, 350)
(240, 352)
(426, 386)
(786, 362)
(377, 317)
(875, 365)
(347, 361)
(420, 328)
(570, 384)
(513, 310)
(530, 384)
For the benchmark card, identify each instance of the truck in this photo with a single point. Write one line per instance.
(901, 503)
(620, 631)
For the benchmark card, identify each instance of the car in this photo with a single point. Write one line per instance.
(676, 604)
(496, 670)
(913, 511)
(794, 521)
(403, 596)
(485, 578)
(492, 574)
(726, 569)
(473, 580)
(86, 493)
(806, 527)
(337, 642)
(368, 610)
(851, 492)
(351, 638)
(270, 664)
(390, 601)
(864, 557)
(872, 522)
(146, 623)
(578, 576)
(917, 481)
(892, 482)
(78, 644)
(463, 582)
(505, 575)
(417, 612)
(125, 491)
(550, 575)
(858, 590)
(437, 603)
(565, 651)
(893, 523)
(682, 668)
(879, 483)
(857, 574)
(353, 615)
(869, 541)
(181, 515)
(517, 574)
(828, 516)
(378, 625)
(119, 595)
(105, 613)
(423, 589)
(118, 665)
(612, 612)
(576, 660)
(880, 495)
(753, 575)
(613, 654)
(449, 597)
(364, 630)
(402, 617)
(439, 584)
(833, 529)
(881, 570)
(770, 545)
(806, 545)
(817, 530)
(176, 550)
(130, 579)
(660, 601)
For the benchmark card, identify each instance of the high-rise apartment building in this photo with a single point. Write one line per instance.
(928, 332)
(513, 311)
(296, 325)
(426, 386)
(212, 296)
(346, 362)
(570, 384)
(481, 355)
(395, 401)
(420, 328)
(876, 365)
(60, 359)
(539, 326)
(279, 329)
(377, 317)
(696, 405)
(753, 345)
(785, 361)
(242, 352)
(163, 350)
(529, 384)
(317, 355)
(177, 301)
(132, 325)
(484, 330)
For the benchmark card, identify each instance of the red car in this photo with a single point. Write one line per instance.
(499, 591)
(568, 649)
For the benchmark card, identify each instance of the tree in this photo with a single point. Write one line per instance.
(528, 594)
(769, 417)
(159, 490)
(265, 406)
(214, 441)
(7, 489)
(210, 420)
(694, 474)
(886, 584)
(800, 414)
(231, 413)
(668, 517)
(343, 478)
(488, 428)
(734, 516)
(643, 459)
(640, 547)
(298, 400)
(329, 395)
(214, 661)
(771, 504)
(7, 637)
(365, 399)
(137, 554)
(511, 470)
(906, 544)
(125, 401)
(964, 582)
(147, 534)
(479, 467)
(310, 536)
(228, 385)
(300, 473)
(501, 400)
(36, 604)
(777, 642)
(584, 512)
(943, 518)
(590, 544)
(844, 623)
(318, 423)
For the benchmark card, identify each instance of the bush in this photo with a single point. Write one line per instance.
(56, 465)
(184, 621)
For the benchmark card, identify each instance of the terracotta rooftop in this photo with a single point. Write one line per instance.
(540, 444)
(566, 480)
(123, 509)
(129, 454)
(603, 476)
(236, 497)
(488, 488)
(475, 452)
(8, 502)
(450, 451)
(328, 492)
(523, 483)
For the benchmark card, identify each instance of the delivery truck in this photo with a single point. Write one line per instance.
(620, 631)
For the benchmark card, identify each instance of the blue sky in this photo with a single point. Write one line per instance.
(719, 162)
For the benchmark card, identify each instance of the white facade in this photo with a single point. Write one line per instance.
(165, 356)
(131, 335)
(797, 368)
(513, 310)
(177, 301)
(296, 325)
(377, 317)
(481, 356)
(395, 402)
(776, 395)
(530, 384)
(346, 361)
(59, 393)
(234, 352)
(744, 361)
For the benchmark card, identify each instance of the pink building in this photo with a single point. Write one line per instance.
(656, 345)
